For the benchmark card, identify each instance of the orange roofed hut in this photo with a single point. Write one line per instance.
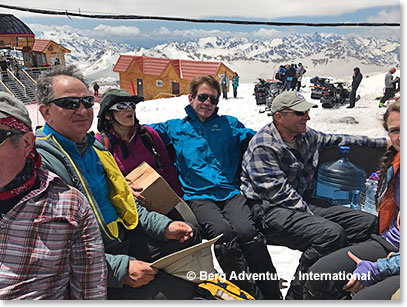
(159, 77)
(45, 52)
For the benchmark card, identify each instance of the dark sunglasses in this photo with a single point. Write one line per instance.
(298, 113)
(4, 134)
(122, 106)
(204, 97)
(73, 103)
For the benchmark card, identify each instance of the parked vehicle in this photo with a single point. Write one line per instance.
(319, 85)
(335, 94)
(266, 91)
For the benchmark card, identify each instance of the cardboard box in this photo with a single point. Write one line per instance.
(156, 190)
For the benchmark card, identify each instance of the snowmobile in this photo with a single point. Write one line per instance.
(319, 86)
(335, 94)
(266, 91)
(261, 91)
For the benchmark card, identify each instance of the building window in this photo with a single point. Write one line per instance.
(159, 83)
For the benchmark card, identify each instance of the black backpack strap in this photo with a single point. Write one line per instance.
(148, 142)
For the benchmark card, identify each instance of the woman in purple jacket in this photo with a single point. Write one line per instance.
(132, 143)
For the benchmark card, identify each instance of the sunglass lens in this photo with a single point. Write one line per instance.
(88, 102)
(298, 113)
(204, 97)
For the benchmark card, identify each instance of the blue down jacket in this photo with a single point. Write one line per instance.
(208, 153)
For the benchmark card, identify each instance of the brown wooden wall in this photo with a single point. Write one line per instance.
(151, 90)
(15, 41)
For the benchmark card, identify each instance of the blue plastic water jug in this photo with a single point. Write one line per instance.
(341, 181)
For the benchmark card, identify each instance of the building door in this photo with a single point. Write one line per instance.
(140, 87)
(175, 88)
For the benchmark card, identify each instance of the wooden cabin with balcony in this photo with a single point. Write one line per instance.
(45, 53)
(160, 78)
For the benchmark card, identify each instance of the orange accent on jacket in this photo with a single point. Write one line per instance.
(388, 204)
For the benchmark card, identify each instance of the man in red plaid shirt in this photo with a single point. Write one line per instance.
(50, 243)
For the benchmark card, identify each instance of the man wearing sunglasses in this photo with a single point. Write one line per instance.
(48, 231)
(208, 148)
(278, 170)
(132, 236)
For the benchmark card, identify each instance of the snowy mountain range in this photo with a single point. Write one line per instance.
(320, 53)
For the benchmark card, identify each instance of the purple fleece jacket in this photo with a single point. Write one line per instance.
(139, 153)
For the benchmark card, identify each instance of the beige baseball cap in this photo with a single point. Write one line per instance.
(291, 100)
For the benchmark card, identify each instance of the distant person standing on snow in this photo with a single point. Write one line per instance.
(290, 77)
(356, 79)
(96, 89)
(300, 72)
(224, 82)
(389, 82)
(235, 83)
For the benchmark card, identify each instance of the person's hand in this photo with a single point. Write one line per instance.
(139, 274)
(178, 231)
(353, 285)
(136, 191)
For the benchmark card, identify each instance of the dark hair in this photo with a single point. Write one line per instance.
(388, 156)
(197, 81)
(45, 92)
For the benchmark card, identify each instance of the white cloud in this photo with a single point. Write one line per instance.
(386, 16)
(164, 32)
(265, 33)
(117, 30)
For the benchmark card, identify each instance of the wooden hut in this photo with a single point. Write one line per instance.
(158, 77)
(45, 52)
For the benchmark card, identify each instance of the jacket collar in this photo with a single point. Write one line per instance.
(68, 145)
(194, 117)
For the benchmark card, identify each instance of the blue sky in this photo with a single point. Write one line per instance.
(149, 33)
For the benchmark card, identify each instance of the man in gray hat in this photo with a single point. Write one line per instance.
(277, 174)
(48, 231)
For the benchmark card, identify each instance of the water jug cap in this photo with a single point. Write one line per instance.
(344, 148)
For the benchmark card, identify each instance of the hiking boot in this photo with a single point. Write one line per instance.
(381, 105)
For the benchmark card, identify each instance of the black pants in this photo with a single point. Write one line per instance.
(330, 228)
(163, 286)
(298, 85)
(352, 97)
(225, 91)
(242, 248)
(294, 84)
(235, 92)
(383, 290)
(388, 93)
(339, 261)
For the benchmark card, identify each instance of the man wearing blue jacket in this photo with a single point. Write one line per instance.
(208, 149)
(132, 236)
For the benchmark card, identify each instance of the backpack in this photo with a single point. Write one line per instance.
(146, 138)
(222, 289)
